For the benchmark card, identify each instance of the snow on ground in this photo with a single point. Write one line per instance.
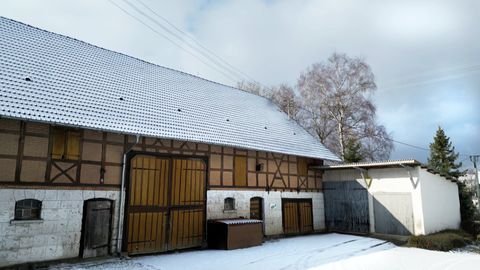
(315, 252)
(407, 258)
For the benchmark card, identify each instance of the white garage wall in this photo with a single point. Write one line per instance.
(397, 181)
(441, 205)
(272, 207)
(388, 180)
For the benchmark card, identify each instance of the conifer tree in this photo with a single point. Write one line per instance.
(443, 156)
(353, 151)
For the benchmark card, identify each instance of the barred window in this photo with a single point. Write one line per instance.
(229, 204)
(28, 209)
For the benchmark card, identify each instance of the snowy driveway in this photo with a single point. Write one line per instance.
(329, 251)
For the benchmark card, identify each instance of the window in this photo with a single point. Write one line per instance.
(66, 143)
(302, 166)
(240, 171)
(229, 204)
(28, 209)
(259, 167)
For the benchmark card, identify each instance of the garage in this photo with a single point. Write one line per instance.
(165, 204)
(401, 197)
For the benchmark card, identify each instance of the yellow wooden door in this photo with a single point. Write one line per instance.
(297, 216)
(166, 202)
(187, 215)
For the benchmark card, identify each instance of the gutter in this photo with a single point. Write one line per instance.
(122, 198)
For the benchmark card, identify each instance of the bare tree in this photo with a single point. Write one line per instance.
(253, 87)
(337, 106)
(285, 98)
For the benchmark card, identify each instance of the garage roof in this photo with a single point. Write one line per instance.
(372, 164)
(381, 165)
(55, 79)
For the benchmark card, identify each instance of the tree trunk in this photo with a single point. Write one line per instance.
(341, 140)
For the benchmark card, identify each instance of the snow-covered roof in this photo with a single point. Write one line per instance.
(55, 79)
(382, 164)
(237, 221)
(372, 164)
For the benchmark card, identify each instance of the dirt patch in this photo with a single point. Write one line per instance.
(443, 241)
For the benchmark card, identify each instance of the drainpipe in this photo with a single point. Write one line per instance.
(122, 198)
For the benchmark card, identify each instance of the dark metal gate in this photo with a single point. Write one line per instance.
(166, 204)
(297, 216)
(97, 225)
(346, 207)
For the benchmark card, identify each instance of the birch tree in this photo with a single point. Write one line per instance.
(337, 104)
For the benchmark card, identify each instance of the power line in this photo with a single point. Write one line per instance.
(390, 139)
(173, 42)
(184, 41)
(418, 81)
(436, 72)
(195, 41)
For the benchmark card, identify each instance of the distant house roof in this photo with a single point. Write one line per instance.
(55, 79)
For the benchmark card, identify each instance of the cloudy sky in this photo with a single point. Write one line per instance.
(425, 54)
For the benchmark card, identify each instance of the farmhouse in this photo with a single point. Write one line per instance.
(103, 153)
(80, 124)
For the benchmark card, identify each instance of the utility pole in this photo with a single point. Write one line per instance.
(474, 159)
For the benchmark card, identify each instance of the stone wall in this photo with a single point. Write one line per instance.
(57, 235)
(272, 207)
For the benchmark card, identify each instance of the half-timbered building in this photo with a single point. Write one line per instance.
(80, 124)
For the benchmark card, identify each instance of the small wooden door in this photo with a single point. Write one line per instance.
(297, 216)
(166, 204)
(97, 224)
(256, 208)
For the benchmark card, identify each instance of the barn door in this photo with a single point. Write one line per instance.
(297, 216)
(346, 207)
(187, 215)
(166, 202)
(97, 223)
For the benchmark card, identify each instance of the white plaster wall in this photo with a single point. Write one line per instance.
(57, 236)
(388, 180)
(272, 207)
(441, 205)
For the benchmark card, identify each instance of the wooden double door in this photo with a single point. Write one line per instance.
(166, 204)
(297, 216)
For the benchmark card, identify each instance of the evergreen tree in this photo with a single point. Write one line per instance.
(353, 151)
(443, 156)
(467, 209)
